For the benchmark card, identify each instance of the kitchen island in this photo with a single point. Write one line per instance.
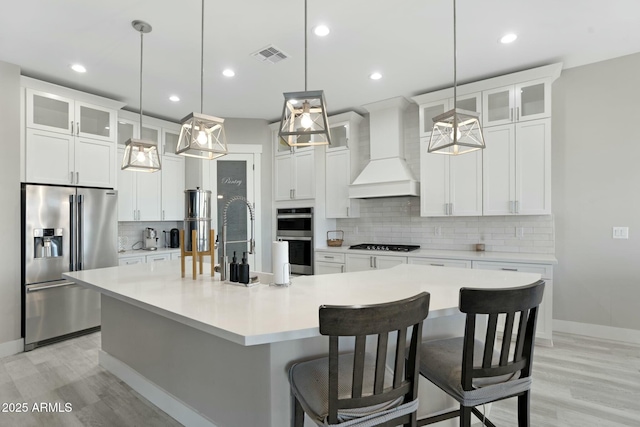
(210, 353)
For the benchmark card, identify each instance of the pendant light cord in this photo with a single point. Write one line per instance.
(141, 56)
(202, 60)
(305, 45)
(455, 54)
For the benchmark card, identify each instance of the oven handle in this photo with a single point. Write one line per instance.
(306, 239)
(287, 216)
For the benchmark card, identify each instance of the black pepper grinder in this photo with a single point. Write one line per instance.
(233, 268)
(243, 270)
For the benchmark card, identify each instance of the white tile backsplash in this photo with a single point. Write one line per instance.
(394, 220)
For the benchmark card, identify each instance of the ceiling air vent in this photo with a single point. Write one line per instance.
(270, 54)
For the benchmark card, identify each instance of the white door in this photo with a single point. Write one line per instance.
(328, 268)
(465, 184)
(95, 122)
(173, 186)
(304, 187)
(382, 262)
(46, 111)
(95, 163)
(49, 157)
(498, 106)
(359, 262)
(533, 167)
(231, 176)
(434, 182)
(499, 170)
(148, 195)
(338, 178)
(126, 187)
(283, 186)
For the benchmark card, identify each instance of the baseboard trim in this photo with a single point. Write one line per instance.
(10, 348)
(173, 406)
(597, 331)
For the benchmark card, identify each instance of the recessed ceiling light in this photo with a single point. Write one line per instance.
(321, 30)
(174, 98)
(78, 68)
(508, 38)
(375, 76)
(229, 72)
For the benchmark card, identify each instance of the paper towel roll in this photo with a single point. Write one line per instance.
(280, 262)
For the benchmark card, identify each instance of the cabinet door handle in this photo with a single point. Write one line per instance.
(517, 206)
(347, 211)
(77, 177)
(71, 177)
(511, 206)
(342, 268)
(446, 208)
(294, 193)
(371, 261)
(77, 128)
(438, 265)
(163, 214)
(517, 113)
(510, 114)
(329, 257)
(450, 208)
(71, 127)
(375, 262)
(510, 269)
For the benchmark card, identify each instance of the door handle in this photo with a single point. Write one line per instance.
(71, 127)
(446, 208)
(438, 265)
(71, 177)
(450, 208)
(80, 231)
(517, 114)
(72, 233)
(375, 262)
(371, 261)
(510, 269)
(511, 114)
(46, 288)
(347, 211)
(163, 214)
(77, 128)
(77, 177)
(517, 206)
(342, 268)
(511, 206)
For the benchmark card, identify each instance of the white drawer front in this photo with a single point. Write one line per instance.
(330, 257)
(437, 262)
(546, 271)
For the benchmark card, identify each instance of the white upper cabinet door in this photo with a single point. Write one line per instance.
(50, 157)
(499, 170)
(173, 183)
(338, 177)
(498, 106)
(148, 196)
(304, 175)
(283, 176)
(340, 136)
(465, 188)
(95, 163)
(126, 186)
(533, 100)
(533, 167)
(471, 102)
(170, 142)
(427, 112)
(95, 122)
(126, 130)
(46, 111)
(434, 182)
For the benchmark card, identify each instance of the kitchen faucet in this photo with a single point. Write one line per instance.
(223, 243)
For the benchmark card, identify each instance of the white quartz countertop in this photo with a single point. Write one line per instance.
(142, 252)
(445, 254)
(265, 314)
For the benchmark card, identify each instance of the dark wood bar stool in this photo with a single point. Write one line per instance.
(358, 387)
(474, 372)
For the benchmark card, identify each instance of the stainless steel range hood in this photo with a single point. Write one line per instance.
(387, 173)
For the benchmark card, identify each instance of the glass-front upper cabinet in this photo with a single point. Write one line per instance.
(339, 136)
(54, 113)
(516, 103)
(344, 130)
(128, 129)
(170, 142)
(428, 111)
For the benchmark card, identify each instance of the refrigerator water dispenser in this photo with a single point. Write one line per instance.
(47, 242)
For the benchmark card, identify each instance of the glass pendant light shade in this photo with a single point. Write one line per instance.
(304, 119)
(456, 132)
(202, 136)
(141, 156)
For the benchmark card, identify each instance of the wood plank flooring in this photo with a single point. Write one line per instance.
(581, 382)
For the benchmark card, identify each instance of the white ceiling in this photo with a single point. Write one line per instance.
(409, 41)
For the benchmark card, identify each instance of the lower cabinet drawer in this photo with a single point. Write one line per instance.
(322, 267)
(437, 262)
(330, 257)
(131, 260)
(546, 271)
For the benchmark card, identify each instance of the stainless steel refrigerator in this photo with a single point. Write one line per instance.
(64, 229)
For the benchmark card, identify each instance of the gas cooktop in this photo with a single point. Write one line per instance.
(380, 247)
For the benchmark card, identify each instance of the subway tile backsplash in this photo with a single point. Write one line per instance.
(132, 231)
(398, 220)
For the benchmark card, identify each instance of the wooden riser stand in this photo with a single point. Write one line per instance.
(194, 254)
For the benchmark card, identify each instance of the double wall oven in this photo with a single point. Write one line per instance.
(295, 225)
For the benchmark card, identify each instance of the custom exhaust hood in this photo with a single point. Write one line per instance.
(387, 173)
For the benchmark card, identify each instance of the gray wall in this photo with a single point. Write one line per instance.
(596, 183)
(10, 312)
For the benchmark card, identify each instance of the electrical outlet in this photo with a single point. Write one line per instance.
(519, 231)
(437, 231)
(620, 232)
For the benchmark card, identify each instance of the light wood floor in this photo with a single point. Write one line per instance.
(581, 382)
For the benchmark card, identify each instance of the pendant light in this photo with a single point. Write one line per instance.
(139, 155)
(457, 131)
(201, 135)
(304, 115)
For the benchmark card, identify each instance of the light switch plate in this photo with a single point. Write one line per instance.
(620, 232)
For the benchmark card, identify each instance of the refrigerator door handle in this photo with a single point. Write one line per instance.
(79, 253)
(46, 288)
(72, 233)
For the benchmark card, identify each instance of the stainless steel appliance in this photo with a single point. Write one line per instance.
(197, 216)
(295, 225)
(64, 229)
(385, 247)
(149, 239)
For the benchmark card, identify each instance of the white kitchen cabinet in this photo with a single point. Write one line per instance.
(544, 327)
(438, 262)
(294, 176)
(517, 169)
(329, 263)
(68, 142)
(341, 166)
(517, 102)
(450, 185)
(428, 110)
(170, 139)
(139, 195)
(176, 255)
(158, 257)
(173, 186)
(128, 129)
(132, 260)
(362, 262)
